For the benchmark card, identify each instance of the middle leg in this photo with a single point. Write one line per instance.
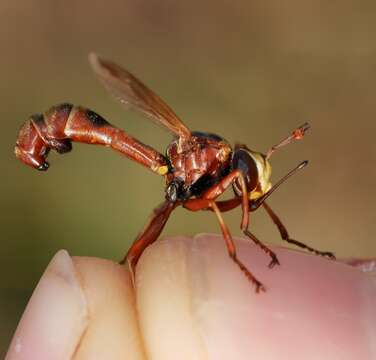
(255, 204)
(203, 204)
(218, 189)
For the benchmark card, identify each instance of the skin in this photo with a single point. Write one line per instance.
(192, 302)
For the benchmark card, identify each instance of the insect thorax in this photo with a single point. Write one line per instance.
(204, 161)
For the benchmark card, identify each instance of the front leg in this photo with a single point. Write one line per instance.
(218, 189)
(230, 204)
(204, 204)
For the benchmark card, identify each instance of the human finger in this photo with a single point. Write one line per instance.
(82, 308)
(195, 303)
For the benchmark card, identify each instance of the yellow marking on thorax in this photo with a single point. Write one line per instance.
(161, 170)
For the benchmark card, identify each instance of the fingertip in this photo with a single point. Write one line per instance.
(55, 316)
(206, 307)
(82, 308)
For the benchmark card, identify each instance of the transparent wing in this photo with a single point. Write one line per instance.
(135, 95)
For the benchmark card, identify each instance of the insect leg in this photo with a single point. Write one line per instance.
(274, 259)
(253, 205)
(285, 236)
(232, 251)
(218, 189)
(203, 204)
(230, 204)
(149, 234)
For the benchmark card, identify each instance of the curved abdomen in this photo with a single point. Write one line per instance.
(64, 123)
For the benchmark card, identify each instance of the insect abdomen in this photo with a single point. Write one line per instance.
(56, 128)
(41, 133)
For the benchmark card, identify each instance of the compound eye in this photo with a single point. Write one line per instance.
(243, 161)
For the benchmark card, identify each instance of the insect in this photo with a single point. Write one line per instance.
(198, 167)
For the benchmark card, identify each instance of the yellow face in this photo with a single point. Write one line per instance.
(264, 170)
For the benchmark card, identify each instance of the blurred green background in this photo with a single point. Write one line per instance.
(251, 71)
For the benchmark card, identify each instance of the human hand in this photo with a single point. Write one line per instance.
(192, 302)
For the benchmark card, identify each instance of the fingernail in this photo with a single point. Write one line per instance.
(55, 317)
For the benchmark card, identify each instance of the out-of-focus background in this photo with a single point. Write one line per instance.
(250, 71)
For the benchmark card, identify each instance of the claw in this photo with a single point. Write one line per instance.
(273, 262)
(329, 254)
(259, 287)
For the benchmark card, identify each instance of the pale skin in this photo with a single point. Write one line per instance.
(191, 301)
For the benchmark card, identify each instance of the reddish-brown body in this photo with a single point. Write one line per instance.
(198, 167)
(203, 156)
(65, 123)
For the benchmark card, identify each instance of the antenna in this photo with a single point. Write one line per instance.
(256, 204)
(297, 134)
